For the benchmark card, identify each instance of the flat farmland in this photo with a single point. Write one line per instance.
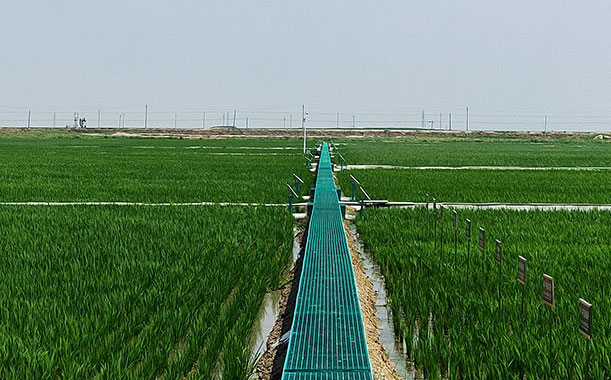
(135, 291)
(69, 167)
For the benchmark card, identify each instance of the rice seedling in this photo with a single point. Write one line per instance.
(448, 309)
(135, 292)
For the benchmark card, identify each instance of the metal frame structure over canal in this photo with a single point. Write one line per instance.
(327, 338)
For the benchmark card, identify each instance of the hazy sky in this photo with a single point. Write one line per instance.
(494, 56)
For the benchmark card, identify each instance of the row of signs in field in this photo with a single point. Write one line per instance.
(585, 308)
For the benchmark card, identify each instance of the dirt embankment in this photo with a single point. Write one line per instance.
(381, 364)
(326, 133)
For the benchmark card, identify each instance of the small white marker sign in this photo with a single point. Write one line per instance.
(468, 230)
(521, 270)
(548, 290)
(482, 239)
(498, 257)
(455, 219)
(585, 318)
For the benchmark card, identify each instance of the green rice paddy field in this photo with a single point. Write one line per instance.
(174, 291)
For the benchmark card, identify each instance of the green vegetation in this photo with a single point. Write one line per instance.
(505, 186)
(75, 167)
(454, 312)
(436, 151)
(135, 292)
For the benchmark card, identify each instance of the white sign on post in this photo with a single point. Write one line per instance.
(521, 270)
(548, 290)
(482, 239)
(499, 252)
(468, 230)
(455, 219)
(585, 318)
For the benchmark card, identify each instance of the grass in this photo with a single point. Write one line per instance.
(468, 335)
(483, 185)
(135, 292)
(75, 167)
(472, 151)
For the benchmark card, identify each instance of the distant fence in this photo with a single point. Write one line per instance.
(454, 119)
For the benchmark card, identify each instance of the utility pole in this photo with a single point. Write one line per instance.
(467, 120)
(246, 122)
(146, 116)
(545, 125)
(53, 119)
(291, 121)
(99, 116)
(234, 115)
(29, 118)
(203, 120)
(175, 117)
(422, 123)
(303, 120)
(337, 121)
(119, 121)
(284, 122)
(123, 120)
(440, 125)
(353, 122)
(450, 121)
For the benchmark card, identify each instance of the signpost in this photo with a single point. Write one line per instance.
(585, 328)
(548, 290)
(521, 270)
(468, 231)
(585, 318)
(441, 231)
(498, 257)
(548, 299)
(522, 280)
(435, 221)
(482, 247)
(455, 224)
(428, 224)
(482, 239)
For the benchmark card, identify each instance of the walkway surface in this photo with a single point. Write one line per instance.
(327, 339)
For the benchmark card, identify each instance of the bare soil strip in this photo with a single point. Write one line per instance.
(381, 364)
(94, 203)
(525, 168)
(510, 206)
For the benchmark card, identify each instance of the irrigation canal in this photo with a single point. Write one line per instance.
(327, 338)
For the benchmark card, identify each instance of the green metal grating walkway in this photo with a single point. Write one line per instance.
(327, 338)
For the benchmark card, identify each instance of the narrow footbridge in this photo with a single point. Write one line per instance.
(327, 339)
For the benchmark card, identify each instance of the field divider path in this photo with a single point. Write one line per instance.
(327, 338)
(477, 167)
(495, 205)
(102, 203)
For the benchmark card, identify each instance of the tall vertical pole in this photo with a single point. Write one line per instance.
(146, 116)
(450, 121)
(337, 121)
(203, 120)
(291, 121)
(175, 117)
(440, 120)
(29, 118)
(284, 122)
(53, 119)
(545, 124)
(246, 122)
(304, 127)
(422, 122)
(119, 120)
(234, 115)
(467, 120)
(99, 116)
